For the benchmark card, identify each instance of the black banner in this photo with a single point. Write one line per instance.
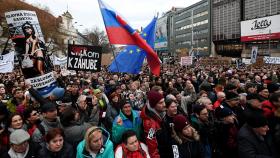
(84, 58)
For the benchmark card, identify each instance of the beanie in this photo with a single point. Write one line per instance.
(180, 122)
(273, 87)
(154, 97)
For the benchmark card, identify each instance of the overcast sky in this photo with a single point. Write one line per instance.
(86, 12)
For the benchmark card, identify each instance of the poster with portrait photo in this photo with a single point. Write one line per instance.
(30, 48)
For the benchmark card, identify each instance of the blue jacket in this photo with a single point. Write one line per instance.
(136, 125)
(106, 152)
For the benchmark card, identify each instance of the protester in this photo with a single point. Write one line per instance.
(20, 146)
(96, 144)
(127, 119)
(131, 147)
(186, 138)
(152, 115)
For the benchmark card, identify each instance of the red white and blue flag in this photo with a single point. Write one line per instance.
(119, 32)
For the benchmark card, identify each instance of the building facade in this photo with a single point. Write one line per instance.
(261, 27)
(190, 31)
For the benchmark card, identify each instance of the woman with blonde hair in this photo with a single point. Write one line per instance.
(96, 144)
(186, 138)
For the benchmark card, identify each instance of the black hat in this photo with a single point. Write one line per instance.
(231, 96)
(260, 88)
(250, 85)
(272, 87)
(123, 102)
(49, 106)
(255, 120)
(252, 96)
(224, 112)
(65, 100)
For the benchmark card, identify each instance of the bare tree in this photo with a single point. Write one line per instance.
(99, 38)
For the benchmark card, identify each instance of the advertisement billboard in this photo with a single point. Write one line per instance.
(161, 34)
(261, 29)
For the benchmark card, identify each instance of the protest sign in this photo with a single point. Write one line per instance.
(7, 62)
(84, 58)
(254, 54)
(215, 61)
(271, 60)
(35, 63)
(187, 60)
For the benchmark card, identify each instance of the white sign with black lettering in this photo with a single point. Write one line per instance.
(7, 62)
(271, 60)
(42, 81)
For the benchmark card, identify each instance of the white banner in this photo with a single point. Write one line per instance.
(246, 61)
(254, 54)
(271, 60)
(60, 61)
(261, 28)
(7, 62)
(42, 81)
(186, 60)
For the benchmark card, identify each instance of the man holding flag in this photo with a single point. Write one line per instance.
(119, 32)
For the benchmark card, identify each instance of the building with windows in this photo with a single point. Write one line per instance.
(226, 17)
(190, 31)
(260, 27)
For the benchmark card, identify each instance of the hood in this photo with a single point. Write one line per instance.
(147, 114)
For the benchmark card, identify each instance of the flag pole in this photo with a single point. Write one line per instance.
(6, 45)
(115, 58)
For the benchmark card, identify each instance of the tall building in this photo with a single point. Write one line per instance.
(226, 17)
(190, 30)
(260, 27)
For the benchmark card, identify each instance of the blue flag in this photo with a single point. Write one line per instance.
(130, 60)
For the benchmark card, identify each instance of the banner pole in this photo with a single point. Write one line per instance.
(6, 45)
(115, 58)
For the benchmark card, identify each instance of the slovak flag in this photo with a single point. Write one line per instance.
(119, 32)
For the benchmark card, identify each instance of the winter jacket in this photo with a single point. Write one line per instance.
(122, 152)
(268, 109)
(32, 152)
(118, 130)
(106, 151)
(39, 133)
(65, 152)
(112, 112)
(252, 146)
(75, 133)
(151, 124)
(190, 149)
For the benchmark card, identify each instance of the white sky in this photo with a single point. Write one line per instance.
(86, 12)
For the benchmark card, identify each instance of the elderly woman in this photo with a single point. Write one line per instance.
(56, 147)
(96, 144)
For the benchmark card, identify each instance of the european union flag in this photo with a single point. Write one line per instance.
(130, 60)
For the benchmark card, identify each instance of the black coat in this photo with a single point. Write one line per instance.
(65, 152)
(191, 149)
(252, 146)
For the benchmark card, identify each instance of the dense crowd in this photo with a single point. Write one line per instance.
(186, 112)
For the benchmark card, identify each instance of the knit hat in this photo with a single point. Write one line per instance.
(180, 122)
(66, 100)
(256, 120)
(19, 136)
(231, 96)
(49, 106)
(272, 87)
(224, 112)
(154, 97)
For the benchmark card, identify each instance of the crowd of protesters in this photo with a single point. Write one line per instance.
(186, 112)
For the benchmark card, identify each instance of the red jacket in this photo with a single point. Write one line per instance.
(151, 123)
(268, 109)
